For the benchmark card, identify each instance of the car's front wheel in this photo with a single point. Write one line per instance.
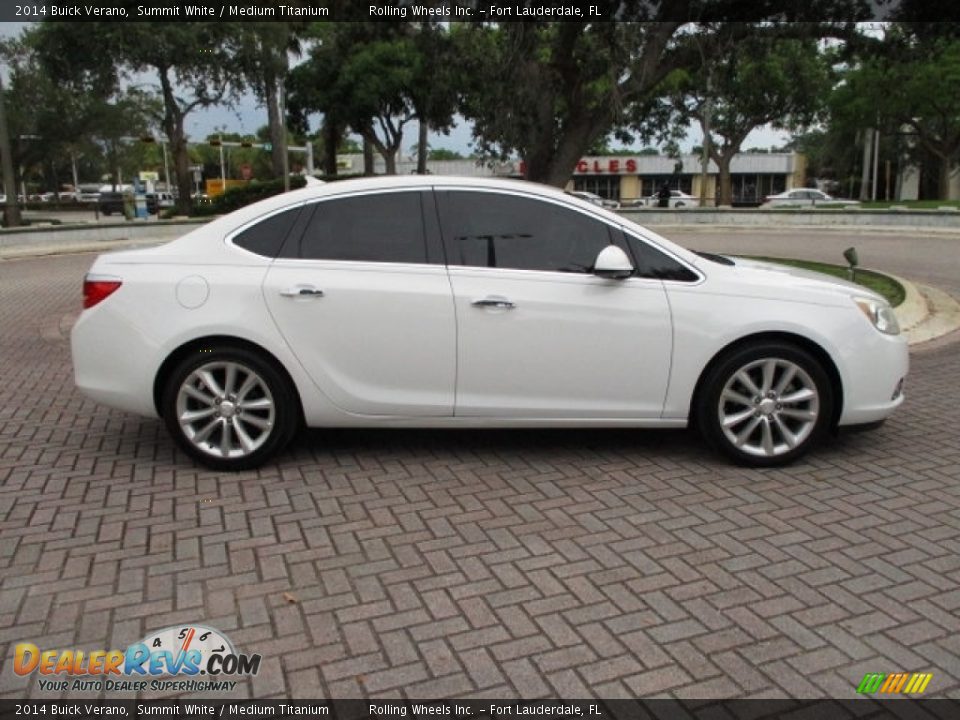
(765, 404)
(229, 408)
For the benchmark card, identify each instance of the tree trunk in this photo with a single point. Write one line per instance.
(946, 166)
(11, 214)
(173, 127)
(554, 166)
(367, 157)
(725, 197)
(331, 138)
(275, 123)
(390, 160)
(422, 147)
(181, 168)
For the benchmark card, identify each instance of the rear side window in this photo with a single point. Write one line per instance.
(382, 227)
(267, 236)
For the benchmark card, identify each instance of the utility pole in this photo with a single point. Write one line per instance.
(281, 99)
(11, 209)
(865, 170)
(705, 151)
(876, 158)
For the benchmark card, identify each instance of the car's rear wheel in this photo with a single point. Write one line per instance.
(765, 404)
(229, 408)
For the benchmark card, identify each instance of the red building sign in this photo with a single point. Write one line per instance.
(600, 166)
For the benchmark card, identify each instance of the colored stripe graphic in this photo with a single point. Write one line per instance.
(894, 683)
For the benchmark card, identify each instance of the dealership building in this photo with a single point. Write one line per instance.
(629, 177)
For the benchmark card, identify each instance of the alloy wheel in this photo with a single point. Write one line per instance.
(768, 407)
(225, 409)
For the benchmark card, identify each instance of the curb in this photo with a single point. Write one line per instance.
(926, 313)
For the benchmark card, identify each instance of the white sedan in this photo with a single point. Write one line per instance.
(805, 197)
(594, 198)
(456, 302)
(678, 199)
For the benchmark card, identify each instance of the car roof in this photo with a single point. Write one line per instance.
(318, 191)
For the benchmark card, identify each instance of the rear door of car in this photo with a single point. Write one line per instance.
(363, 299)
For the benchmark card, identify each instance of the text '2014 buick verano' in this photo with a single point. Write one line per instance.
(456, 302)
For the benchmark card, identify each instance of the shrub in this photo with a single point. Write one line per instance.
(238, 197)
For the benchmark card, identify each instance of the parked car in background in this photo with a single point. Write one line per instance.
(804, 197)
(164, 199)
(429, 301)
(112, 202)
(88, 193)
(678, 199)
(595, 199)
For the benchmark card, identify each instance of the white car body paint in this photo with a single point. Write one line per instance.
(403, 345)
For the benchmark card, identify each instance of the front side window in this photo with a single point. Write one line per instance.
(655, 264)
(381, 227)
(483, 229)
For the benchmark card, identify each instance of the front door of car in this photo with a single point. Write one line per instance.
(363, 300)
(538, 335)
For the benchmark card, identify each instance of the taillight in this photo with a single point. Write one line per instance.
(97, 288)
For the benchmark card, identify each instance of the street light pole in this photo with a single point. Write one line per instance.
(223, 173)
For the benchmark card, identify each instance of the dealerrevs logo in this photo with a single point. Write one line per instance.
(183, 650)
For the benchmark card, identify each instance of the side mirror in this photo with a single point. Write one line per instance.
(612, 263)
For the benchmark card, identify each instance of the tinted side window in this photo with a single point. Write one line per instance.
(266, 237)
(651, 263)
(506, 231)
(384, 227)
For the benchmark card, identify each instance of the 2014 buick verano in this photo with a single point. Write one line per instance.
(456, 302)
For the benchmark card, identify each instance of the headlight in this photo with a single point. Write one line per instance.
(879, 314)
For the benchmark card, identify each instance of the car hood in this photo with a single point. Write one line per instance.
(798, 280)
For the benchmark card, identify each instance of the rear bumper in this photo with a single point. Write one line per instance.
(112, 371)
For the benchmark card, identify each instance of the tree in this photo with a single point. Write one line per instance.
(758, 81)
(444, 154)
(908, 89)
(192, 63)
(549, 90)
(11, 211)
(263, 57)
(375, 78)
(54, 125)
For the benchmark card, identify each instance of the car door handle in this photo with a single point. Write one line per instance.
(302, 291)
(494, 301)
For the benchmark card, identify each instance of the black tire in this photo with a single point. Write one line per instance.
(273, 387)
(786, 419)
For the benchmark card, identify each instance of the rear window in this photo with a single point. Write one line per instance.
(267, 236)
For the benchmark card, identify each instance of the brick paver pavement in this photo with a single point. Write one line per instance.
(424, 563)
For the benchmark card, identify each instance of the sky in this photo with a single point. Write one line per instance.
(247, 116)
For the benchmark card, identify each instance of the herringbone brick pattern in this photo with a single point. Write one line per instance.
(429, 564)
